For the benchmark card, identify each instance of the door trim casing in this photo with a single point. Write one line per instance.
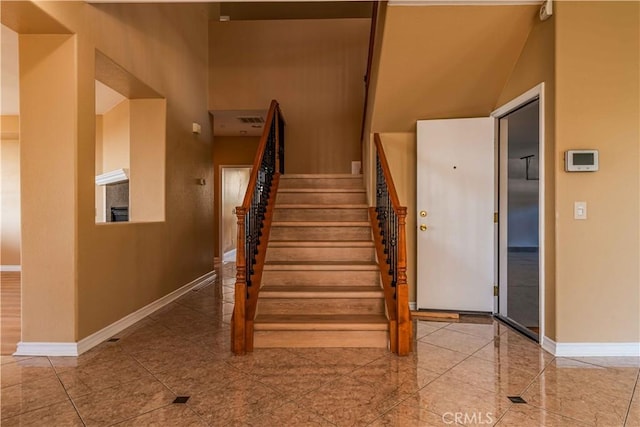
(532, 94)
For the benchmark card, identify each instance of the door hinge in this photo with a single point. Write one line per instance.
(495, 217)
(495, 291)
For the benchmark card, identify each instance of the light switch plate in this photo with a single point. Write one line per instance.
(580, 210)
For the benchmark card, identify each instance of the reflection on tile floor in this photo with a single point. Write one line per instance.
(459, 374)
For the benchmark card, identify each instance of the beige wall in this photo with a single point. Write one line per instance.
(79, 277)
(147, 160)
(314, 68)
(597, 93)
(9, 191)
(116, 136)
(400, 149)
(48, 143)
(428, 71)
(229, 151)
(536, 65)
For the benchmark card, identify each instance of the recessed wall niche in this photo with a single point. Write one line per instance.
(130, 146)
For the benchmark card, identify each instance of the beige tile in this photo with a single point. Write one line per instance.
(447, 397)
(633, 417)
(100, 374)
(528, 416)
(422, 328)
(348, 401)
(21, 371)
(30, 396)
(457, 341)
(119, 403)
(4, 359)
(235, 403)
(396, 371)
(492, 376)
(344, 359)
(410, 414)
(618, 382)
(583, 392)
(58, 414)
(174, 415)
(517, 352)
(160, 360)
(291, 415)
(490, 331)
(435, 358)
(611, 361)
(294, 381)
(199, 376)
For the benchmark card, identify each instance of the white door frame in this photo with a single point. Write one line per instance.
(220, 211)
(536, 92)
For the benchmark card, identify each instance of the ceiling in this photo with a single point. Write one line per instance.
(228, 122)
(264, 10)
(446, 61)
(106, 98)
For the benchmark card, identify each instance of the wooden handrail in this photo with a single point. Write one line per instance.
(259, 154)
(367, 76)
(387, 173)
(388, 221)
(254, 225)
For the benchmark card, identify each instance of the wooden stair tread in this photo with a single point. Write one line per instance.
(348, 322)
(321, 243)
(321, 206)
(288, 291)
(321, 190)
(324, 265)
(320, 224)
(320, 175)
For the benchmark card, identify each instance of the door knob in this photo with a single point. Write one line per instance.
(423, 227)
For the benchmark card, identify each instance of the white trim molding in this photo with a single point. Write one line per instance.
(10, 268)
(413, 306)
(464, 2)
(112, 177)
(591, 349)
(87, 343)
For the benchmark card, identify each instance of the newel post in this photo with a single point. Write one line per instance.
(402, 289)
(238, 344)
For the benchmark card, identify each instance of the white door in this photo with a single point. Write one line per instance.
(455, 201)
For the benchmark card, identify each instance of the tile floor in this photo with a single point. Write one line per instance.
(459, 374)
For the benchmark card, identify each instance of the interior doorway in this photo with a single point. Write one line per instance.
(520, 209)
(234, 181)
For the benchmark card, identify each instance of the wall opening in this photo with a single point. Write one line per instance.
(130, 146)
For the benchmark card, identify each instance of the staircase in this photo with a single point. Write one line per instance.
(320, 283)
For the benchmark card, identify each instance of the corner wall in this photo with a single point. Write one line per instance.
(536, 65)
(597, 92)
(313, 67)
(84, 276)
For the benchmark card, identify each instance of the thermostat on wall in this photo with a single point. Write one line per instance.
(581, 160)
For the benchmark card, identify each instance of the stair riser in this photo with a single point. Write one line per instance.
(321, 306)
(320, 278)
(320, 198)
(320, 215)
(320, 254)
(302, 339)
(320, 233)
(350, 183)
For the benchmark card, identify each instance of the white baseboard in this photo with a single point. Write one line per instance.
(413, 306)
(10, 268)
(87, 343)
(619, 349)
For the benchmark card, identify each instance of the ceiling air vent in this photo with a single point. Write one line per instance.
(251, 119)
